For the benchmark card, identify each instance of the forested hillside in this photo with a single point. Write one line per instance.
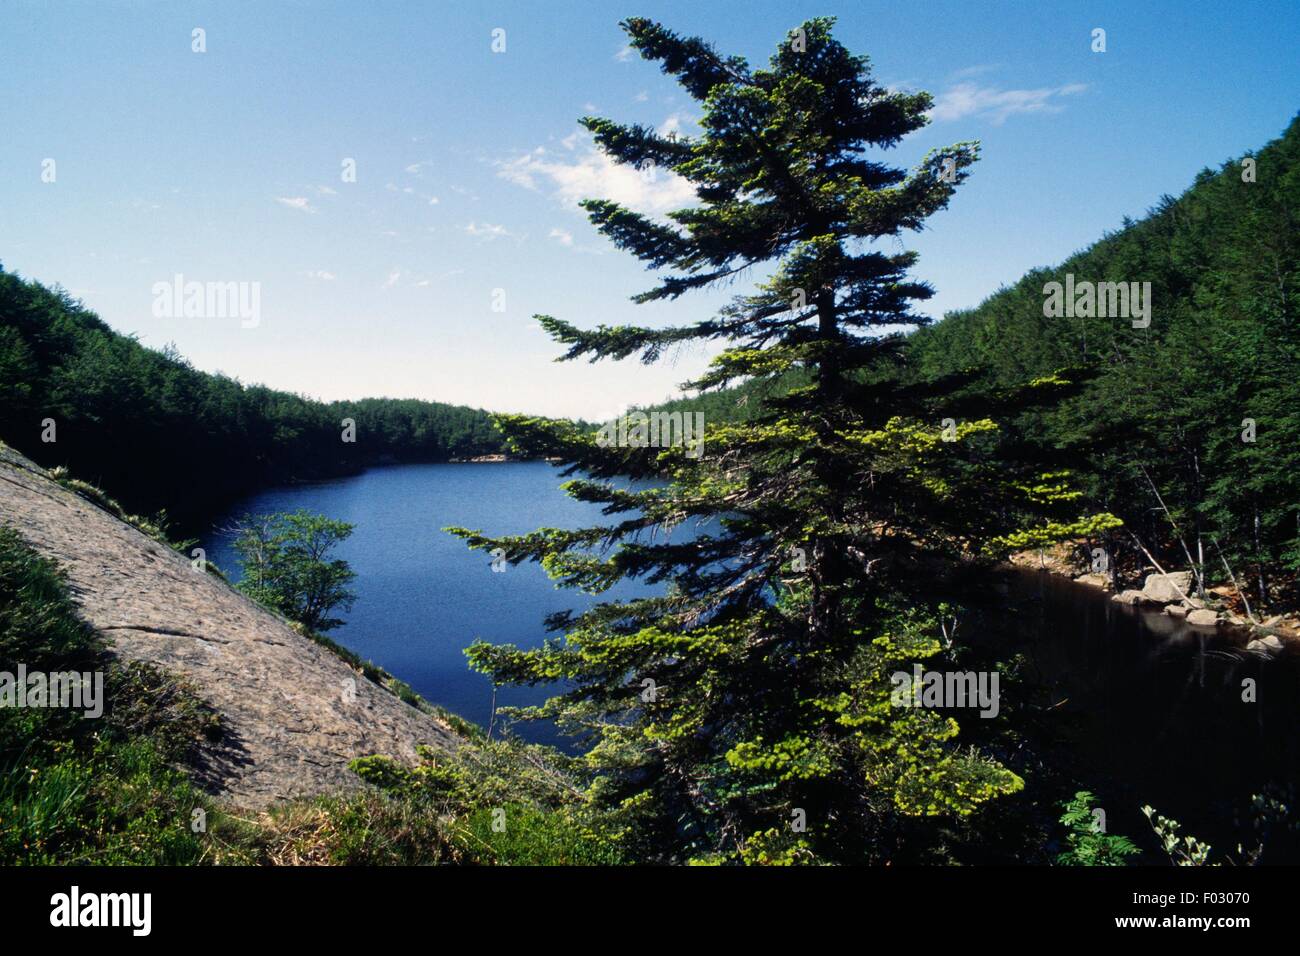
(1203, 405)
(1169, 407)
(159, 434)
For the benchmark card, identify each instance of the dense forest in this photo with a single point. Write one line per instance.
(1197, 413)
(159, 434)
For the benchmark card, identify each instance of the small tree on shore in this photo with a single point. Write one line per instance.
(287, 566)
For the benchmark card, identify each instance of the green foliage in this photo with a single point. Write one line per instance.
(368, 830)
(287, 566)
(499, 802)
(1087, 844)
(119, 804)
(522, 835)
(1182, 851)
(39, 628)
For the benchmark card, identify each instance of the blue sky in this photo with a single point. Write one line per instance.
(226, 165)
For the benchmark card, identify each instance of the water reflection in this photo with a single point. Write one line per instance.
(1155, 711)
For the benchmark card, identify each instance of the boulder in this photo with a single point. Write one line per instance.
(1166, 588)
(1271, 644)
(1094, 580)
(1127, 597)
(1202, 617)
(1175, 610)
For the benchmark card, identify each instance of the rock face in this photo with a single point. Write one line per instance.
(294, 714)
(1166, 588)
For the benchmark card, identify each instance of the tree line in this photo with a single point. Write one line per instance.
(1188, 429)
(157, 433)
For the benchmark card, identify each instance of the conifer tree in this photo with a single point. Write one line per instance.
(747, 711)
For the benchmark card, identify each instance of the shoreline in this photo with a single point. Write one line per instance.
(496, 460)
(1155, 591)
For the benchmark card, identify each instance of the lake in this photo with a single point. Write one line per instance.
(423, 595)
(1148, 709)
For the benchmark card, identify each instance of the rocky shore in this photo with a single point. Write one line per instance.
(1175, 593)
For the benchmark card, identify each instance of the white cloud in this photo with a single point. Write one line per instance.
(392, 279)
(625, 53)
(562, 236)
(672, 124)
(321, 274)
(590, 174)
(641, 97)
(488, 231)
(970, 99)
(301, 203)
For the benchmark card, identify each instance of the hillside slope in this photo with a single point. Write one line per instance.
(289, 729)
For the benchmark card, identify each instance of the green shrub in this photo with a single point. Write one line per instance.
(1088, 844)
(522, 835)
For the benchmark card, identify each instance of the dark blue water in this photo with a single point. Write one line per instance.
(423, 595)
